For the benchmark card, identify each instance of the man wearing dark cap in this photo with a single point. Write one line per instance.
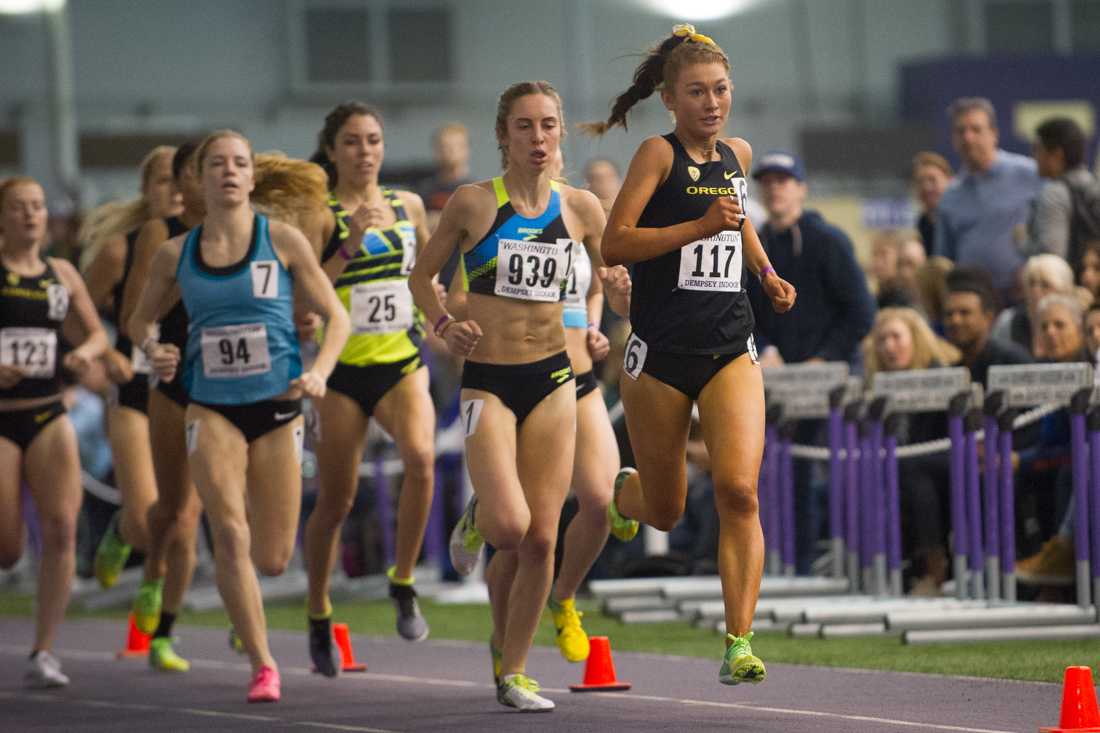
(833, 313)
(835, 308)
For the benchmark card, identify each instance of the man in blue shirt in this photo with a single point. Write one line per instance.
(983, 216)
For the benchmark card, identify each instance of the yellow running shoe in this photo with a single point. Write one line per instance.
(111, 554)
(622, 528)
(147, 606)
(572, 641)
(163, 657)
(740, 664)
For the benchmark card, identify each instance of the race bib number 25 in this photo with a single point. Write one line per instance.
(381, 307)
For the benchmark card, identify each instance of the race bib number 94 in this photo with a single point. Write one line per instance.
(230, 352)
(381, 307)
(712, 264)
(32, 350)
(533, 270)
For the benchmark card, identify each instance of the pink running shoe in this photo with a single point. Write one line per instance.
(265, 686)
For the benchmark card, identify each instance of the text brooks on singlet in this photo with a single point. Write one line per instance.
(522, 258)
(374, 288)
(241, 345)
(32, 310)
(691, 300)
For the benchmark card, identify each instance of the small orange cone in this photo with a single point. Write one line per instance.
(599, 671)
(1079, 711)
(137, 643)
(343, 642)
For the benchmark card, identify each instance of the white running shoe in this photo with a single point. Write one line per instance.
(43, 672)
(521, 692)
(466, 541)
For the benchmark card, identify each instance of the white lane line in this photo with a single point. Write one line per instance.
(439, 682)
(338, 726)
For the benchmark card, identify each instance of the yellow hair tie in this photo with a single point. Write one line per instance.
(687, 30)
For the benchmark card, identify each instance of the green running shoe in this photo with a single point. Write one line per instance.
(622, 528)
(740, 665)
(147, 606)
(111, 555)
(163, 657)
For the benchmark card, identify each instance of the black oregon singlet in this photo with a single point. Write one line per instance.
(691, 301)
(32, 310)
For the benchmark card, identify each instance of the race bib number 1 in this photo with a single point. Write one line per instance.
(230, 352)
(32, 350)
(381, 307)
(712, 264)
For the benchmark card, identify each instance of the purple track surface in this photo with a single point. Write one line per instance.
(442, 686)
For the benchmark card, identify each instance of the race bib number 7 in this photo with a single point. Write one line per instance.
(230, 352)
(533, 270)
(712, 264)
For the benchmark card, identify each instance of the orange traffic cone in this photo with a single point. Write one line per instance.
(137, 642)
(343, 643)
(1079, 712)
(599, 671)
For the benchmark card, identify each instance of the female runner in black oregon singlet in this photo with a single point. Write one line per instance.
(679, 219)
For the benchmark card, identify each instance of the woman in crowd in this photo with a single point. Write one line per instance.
(901, 339)
(1064, 335)
(1043, 275)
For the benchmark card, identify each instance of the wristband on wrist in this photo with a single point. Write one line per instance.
(594, 325)
(441, 325)
(764, 272)
(344, 253)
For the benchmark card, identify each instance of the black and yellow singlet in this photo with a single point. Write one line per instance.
(32, 310)
(386, 325)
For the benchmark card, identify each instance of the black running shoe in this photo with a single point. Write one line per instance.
(410, 623)
(326, 659)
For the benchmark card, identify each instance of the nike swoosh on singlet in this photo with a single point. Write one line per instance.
(728, 175)
(285, 415)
